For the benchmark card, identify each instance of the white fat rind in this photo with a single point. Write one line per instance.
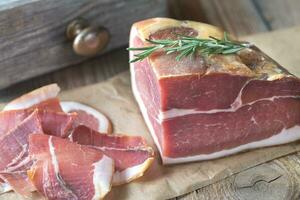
(131, 173)
(137, 95)
(53, 155)
(37, 96)
(238, 100)
(17, 159)
(5, 187)
(175, 112)
(237, 104)
(102, 177)
(68, 106)
(18, 165)
(54, 162)
(285, 136)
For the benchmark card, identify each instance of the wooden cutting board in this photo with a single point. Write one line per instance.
(114, 98)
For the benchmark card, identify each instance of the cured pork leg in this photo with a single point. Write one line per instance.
(205, 107)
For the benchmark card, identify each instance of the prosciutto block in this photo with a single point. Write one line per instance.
(205, 107)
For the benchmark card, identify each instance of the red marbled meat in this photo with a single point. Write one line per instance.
(14, 160)
(49, 104)
(66, 170)
(53, 123)
(45, 96)
(87, 116)
(10, 118)
(57, 123)
(206, 107)
(131, 154)
(85, 119)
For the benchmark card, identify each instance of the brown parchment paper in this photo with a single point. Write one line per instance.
(114, 98)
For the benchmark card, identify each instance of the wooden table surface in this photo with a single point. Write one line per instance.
(278, 179)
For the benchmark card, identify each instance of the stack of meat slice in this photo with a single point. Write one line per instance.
(204, 107)
(131, 154)
(56, 148)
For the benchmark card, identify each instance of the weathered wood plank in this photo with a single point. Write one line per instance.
(278, 13)
(32, 35)
(9, 4)
(94, 70)
(275, 180)
(239, 17)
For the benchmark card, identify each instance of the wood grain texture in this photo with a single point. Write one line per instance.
(32, 35)
(239, 17)
(274, 180)
(277, 13)
(94, 70)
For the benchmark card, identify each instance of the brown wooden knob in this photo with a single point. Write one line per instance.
(87, 40)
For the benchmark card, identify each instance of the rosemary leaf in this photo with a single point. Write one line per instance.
(188, 46)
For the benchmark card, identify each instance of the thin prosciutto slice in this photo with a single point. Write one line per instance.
(53, 123)
(45, 95)
(56, 123)
(49, 104)
(45, 98)
(87, 116)
(9, 119)
(131, 154)
(66, 170)
(14, 160)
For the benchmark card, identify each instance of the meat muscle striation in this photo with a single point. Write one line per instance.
(14, 160)
(9, 119)
(36, 157)
(66, 170)
(131, 154)
(53, 123)
(206, 107)
(44, 97)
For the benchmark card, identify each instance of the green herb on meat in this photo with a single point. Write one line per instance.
(188, 46)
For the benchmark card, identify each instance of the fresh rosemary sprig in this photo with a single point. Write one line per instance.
(188, 46)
